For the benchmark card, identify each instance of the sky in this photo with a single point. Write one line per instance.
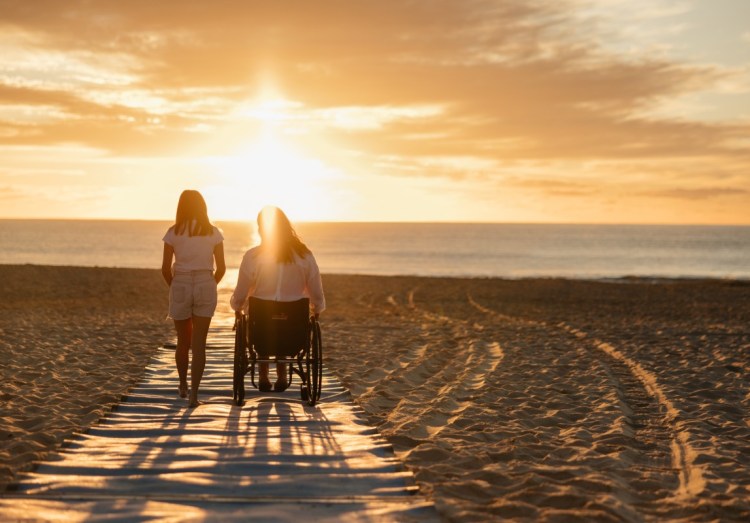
(572, 111)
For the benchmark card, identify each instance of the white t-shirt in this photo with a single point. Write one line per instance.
(193, 253)
(263, 277)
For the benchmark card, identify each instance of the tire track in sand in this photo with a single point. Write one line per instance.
(683, 454)
(436, 386)
(691, 478)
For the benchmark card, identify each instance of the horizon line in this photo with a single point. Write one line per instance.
(395, 222)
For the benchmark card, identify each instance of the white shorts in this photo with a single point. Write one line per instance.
(192, 294)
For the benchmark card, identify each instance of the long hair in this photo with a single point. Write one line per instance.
(192, 215)
(278, 237)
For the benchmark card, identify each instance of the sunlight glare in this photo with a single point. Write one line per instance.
(270, 172)
(270, 110)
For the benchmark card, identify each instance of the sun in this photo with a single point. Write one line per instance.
(270, 168)
(270, 171)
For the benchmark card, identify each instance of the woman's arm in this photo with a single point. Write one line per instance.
(245, 284)
(315, 287)
(166, 263)
(221, 267)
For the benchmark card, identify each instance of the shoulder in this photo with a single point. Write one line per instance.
(169, 235)
(249, 260)
(217, 233)
(251, 255)
(307, 260)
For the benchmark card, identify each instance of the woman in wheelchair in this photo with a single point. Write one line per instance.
(281, 269)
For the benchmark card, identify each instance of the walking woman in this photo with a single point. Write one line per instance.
(281, 268)
(194, 244)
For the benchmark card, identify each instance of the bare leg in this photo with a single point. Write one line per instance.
(184, 330)
(198, 348)
(281, 371)
(264, 383)
(282, 382)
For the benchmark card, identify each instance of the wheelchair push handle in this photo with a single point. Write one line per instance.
(237, 317)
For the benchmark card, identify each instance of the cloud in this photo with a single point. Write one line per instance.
(35, 171)
(9, 193)
(409, 86)
(41, 196)
(552, 186)
(704, 193)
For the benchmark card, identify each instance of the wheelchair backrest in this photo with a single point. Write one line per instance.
(279, 328)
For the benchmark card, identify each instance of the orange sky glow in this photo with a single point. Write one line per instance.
(595, 111)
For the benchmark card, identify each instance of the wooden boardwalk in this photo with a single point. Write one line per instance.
(274, 459)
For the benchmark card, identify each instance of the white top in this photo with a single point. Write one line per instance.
(263, 277)
(193, 253)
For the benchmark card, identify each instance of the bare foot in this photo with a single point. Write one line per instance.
(183, 390)
(194, 401)
(264, 384)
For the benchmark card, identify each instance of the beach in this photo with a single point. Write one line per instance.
(528, 400)
(555, 400)
(72, 342)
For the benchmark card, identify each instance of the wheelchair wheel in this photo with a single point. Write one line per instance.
(240, 363)
(315, 366)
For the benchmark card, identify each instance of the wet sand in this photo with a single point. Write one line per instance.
(531, 400)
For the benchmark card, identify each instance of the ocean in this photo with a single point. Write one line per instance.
(424, 249)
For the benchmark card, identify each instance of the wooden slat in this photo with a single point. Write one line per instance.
(273, 458)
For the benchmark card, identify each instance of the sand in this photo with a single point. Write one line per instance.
(531, 400)
(553, 400)
(72, 342)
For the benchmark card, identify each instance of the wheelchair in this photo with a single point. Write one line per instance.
(278, 332)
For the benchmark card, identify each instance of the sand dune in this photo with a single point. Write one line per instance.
(531, 400)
